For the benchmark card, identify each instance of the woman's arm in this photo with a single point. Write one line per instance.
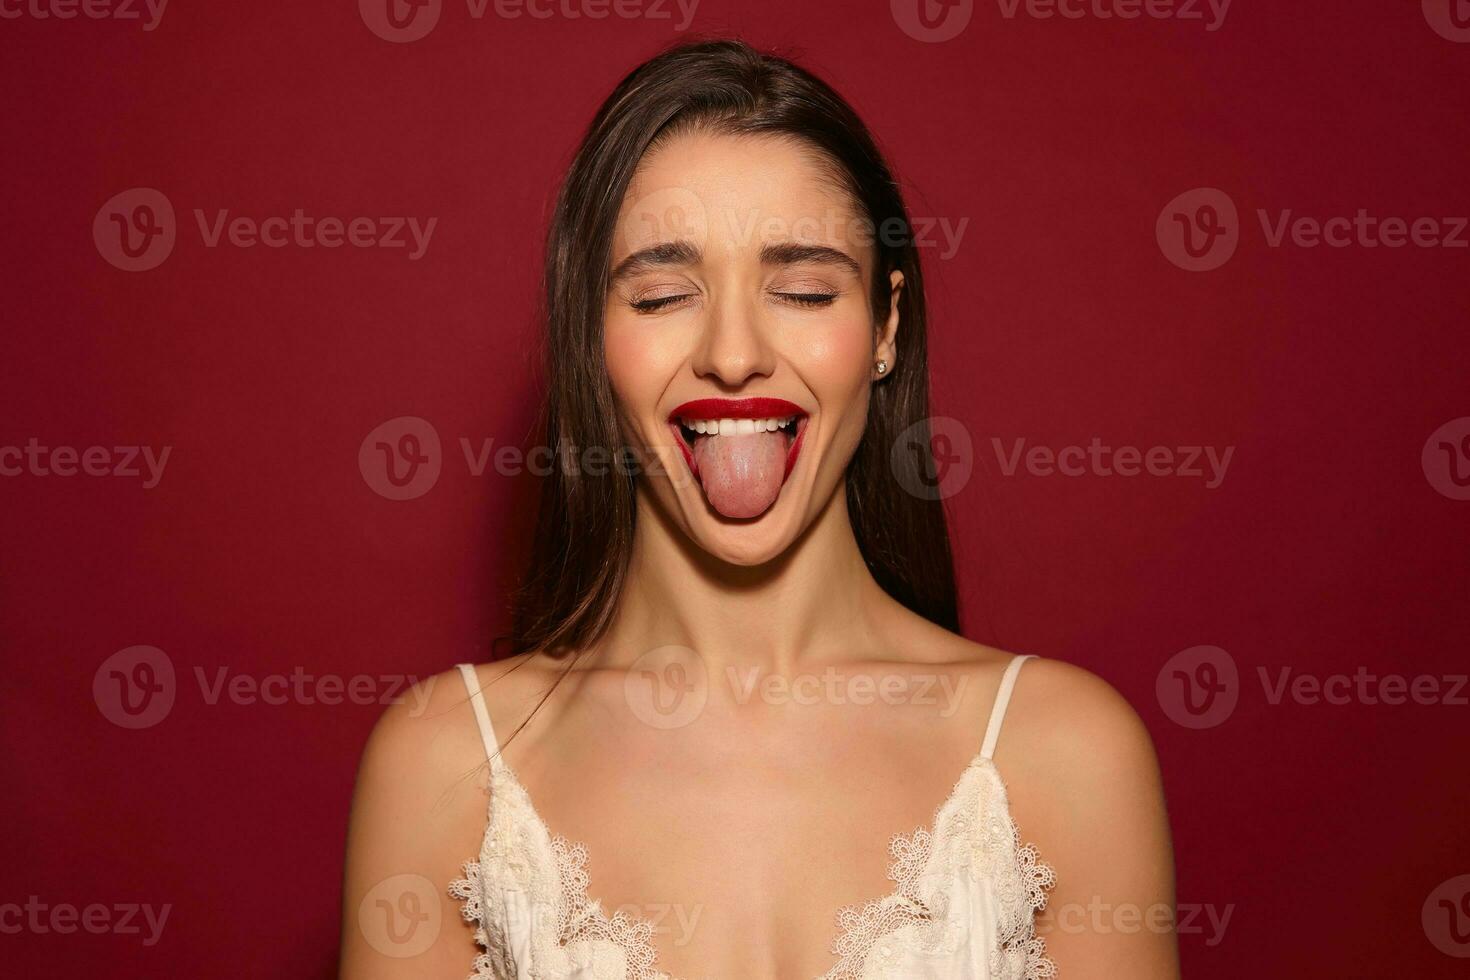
(1087, 792)
(417, 816)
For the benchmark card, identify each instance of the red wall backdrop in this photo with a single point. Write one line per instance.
(1327, 819)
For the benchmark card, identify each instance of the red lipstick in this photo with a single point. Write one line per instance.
(739, 408)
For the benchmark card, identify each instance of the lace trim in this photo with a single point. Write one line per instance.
(571, 934)
(972, 830)
(861, 929)
(1023, 881)
(991, 850)
(469, 889)
(582, 918)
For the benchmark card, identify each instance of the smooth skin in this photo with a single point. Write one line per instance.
(741, 832)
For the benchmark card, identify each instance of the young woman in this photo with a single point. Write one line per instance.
(741, 737)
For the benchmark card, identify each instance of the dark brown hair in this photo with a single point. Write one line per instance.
(584, 528)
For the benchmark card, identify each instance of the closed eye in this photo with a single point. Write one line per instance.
(657, 303)
(809, 299)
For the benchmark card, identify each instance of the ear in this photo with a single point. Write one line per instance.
(886, 348)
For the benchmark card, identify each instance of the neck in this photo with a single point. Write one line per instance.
(815, 602)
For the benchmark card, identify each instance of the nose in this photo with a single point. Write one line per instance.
(733, 346)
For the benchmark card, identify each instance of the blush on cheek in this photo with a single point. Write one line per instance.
(842, 355)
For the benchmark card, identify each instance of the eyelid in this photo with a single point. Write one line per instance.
(638, 292)
(803, 284)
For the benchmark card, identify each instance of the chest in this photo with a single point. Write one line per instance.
(957, 901)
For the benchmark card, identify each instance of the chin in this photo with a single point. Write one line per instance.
(751, 542)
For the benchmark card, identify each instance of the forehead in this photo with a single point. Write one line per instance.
(730, 194)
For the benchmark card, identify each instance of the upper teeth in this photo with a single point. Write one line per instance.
(736, 427)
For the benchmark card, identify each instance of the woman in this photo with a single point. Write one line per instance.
(737, 671)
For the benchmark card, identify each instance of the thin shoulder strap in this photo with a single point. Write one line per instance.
(482, 716)
(1002, 699)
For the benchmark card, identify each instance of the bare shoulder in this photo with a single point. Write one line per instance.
(418, 813)
(432, 726)
(1084, 787)
(1069, 744)
(1071, 716)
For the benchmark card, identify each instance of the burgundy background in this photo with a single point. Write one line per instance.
(264, 549)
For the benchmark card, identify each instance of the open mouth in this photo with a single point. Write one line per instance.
(741, 450)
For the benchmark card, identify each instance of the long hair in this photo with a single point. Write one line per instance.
(584, 528)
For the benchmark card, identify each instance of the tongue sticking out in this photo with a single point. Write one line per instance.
(741, 474)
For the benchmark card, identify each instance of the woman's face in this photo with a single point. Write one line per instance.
(739, 336)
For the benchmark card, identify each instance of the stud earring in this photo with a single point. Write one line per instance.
(882, 367)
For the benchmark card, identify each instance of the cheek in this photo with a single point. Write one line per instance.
(640, 364)
(836, 359)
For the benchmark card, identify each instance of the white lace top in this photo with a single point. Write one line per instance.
(964, 894)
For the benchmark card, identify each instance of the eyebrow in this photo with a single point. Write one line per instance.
(681, 252)
(664, 253)
(790, 253)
